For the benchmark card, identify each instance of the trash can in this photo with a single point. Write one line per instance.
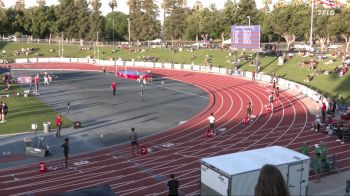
(46, 126)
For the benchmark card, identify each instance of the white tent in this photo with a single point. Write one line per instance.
(156, 41)
(227, 41)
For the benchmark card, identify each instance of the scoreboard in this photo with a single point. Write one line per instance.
(245, 37)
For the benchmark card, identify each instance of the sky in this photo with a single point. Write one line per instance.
(122, 4)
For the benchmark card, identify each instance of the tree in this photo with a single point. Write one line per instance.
(113, 4)
(175, 20)
(120, 26)
(192, 30)
(135, 19)
(67, 18)
(83, 14)
(20, 5)
(289, 21)
(95, 21)
(322, 29)
(340, 24)
(40, 3)
(150, 24)
(246, 8)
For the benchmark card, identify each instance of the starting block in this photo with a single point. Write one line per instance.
(143, 150)
(268, 108)
(209, 133)
(42, 168)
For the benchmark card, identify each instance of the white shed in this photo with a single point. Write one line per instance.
(237, 173)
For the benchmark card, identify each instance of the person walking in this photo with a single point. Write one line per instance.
(211, 120)
(65, 147)
(323, 110)
(114, 87)
(173, 186)
(36, 82)
(133, 139)
(59, 125)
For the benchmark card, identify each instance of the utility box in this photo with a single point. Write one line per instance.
(238, 173)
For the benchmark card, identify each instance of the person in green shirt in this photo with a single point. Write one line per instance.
(305, 149)
(318, 166)
(323, 150)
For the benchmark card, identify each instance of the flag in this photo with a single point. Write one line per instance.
(329, 3)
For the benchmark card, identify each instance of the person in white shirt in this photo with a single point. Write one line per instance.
(211, 119)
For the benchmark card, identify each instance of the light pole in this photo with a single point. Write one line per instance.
(129, 29)
(312, 21)
(113, 32)
(248, 20)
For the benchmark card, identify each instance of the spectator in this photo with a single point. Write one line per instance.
(1, 111)
(323, 110)
(305, 149)
(271, 182)
(318, 165)
(173, 186)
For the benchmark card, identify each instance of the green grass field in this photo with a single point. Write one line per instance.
(23, 111)
(329, 85)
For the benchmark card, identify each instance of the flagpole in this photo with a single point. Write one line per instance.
(312, 22)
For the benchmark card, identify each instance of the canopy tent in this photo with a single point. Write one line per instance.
(156, 41)
(227, 41)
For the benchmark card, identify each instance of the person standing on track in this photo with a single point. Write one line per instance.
(249, 110)
(65, 147)
(133, 139)
(114, 87)
(270, 98)
(59, 125)
(277, 94)
(253, 76)
(173, 186)
(36, 82)
(211, 120)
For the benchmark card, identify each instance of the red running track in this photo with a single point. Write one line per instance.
(128, 174)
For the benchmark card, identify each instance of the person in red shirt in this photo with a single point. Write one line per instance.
(324, 109)
(114, 87)
(59, 125)
(36, 82)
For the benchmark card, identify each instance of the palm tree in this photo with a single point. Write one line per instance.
(40, 3)
(2, 5)
(113, 4)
